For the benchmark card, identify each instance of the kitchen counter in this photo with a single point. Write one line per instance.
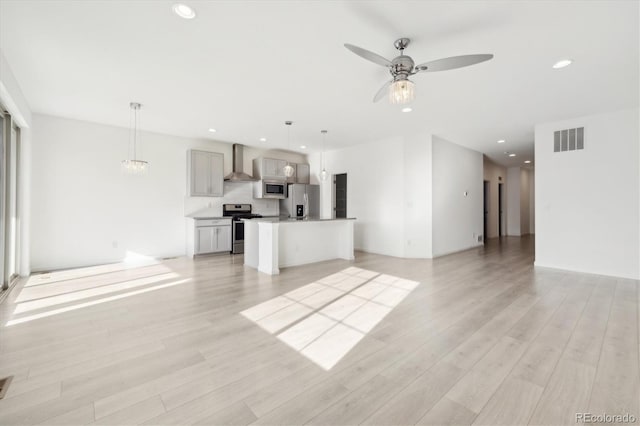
(273, 243)
(206, 217)
(279, 219)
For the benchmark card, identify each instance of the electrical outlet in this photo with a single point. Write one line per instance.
(480, 238)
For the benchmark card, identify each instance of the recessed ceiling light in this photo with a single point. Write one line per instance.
(303, 147)
(407, 109)
(501, 141)
(562, 63)
(512, 155)
(212, 130)
(527, 161)
(263, 139)
(184, 11)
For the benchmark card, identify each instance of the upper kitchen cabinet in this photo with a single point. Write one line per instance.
(269, 168)
(302, 173)
(205, 173)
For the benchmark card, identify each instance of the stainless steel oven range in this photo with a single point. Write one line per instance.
(237, 212)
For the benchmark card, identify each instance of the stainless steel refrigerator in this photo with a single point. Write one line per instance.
(303, 201)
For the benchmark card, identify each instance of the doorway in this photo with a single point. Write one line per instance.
(500, 227)
(486, 211)
(340, 195)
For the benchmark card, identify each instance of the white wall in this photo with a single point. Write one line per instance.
(375, 192)
(495, 175)
(86, 211)
(513, 199)
(457, 218)
(587, 201)
(532, 202)
(407, 194)
(525, 199)
(520, 201)
(388, 191)
(11, 95)
(418, 196)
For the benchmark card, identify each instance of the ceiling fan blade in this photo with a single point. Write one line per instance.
(382, 92)
(368, 55)
(453, 62)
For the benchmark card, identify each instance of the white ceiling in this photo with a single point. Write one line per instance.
(244, 67)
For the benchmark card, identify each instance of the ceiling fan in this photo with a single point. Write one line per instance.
(400, 88)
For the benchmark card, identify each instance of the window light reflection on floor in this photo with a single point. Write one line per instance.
(73, 296)
(130, 261)
(93, 302)
(324, 320)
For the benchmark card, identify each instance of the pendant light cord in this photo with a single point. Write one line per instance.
(324, 138)
(135, 133)
(288, 123)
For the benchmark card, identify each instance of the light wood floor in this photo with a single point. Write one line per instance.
(483, 339)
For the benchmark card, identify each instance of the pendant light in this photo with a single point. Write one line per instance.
(133, 165)
(323, 174)
(288, 169)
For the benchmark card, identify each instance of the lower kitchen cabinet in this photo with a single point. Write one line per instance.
(206, 236)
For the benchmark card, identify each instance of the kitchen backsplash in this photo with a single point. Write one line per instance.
(234, 193)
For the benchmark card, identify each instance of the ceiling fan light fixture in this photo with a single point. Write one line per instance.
(402, 91)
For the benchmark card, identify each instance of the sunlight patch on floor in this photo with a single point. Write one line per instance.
(93, 303)
(324, 320)
(43, 290)
(91, 292)
(131, 260)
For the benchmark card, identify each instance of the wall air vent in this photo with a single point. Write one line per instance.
(568, 139)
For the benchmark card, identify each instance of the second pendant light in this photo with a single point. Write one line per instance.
(288, 170)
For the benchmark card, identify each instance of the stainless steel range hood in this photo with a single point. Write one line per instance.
(238, 174)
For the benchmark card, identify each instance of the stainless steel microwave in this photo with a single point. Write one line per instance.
(270, 189)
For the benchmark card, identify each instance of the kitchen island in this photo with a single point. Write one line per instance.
(273, 243)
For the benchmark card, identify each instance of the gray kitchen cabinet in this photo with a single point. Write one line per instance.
(268, 168)
(272, 168)
(205, 173)
(292, 179)
(223, 238)
(211, 236)
(206, 239)
(302, 173)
